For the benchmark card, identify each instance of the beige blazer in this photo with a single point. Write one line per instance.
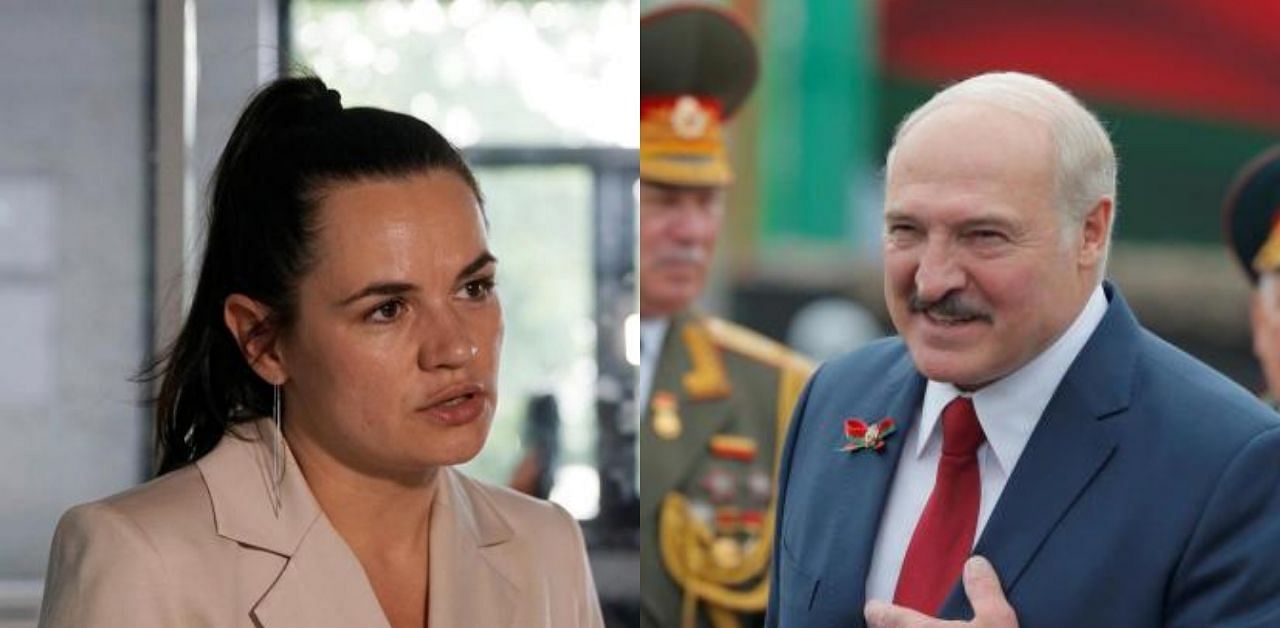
(204, 546)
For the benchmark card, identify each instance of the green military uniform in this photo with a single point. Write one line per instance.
(721, 396)
(715, 422)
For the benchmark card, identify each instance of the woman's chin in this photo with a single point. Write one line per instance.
(456, 445)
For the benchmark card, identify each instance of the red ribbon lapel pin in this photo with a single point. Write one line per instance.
(860, 435)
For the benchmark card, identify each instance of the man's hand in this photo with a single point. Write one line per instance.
(981, 584)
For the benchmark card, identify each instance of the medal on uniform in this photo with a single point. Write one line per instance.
(726, 552)
(759, 486)
(720, 485)
(665, 422)
(732, 447)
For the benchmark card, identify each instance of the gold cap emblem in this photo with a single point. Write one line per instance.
(689, 119)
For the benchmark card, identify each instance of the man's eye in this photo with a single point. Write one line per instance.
(987, 236)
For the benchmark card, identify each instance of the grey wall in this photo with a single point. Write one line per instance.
(77, 92)
(73, 262)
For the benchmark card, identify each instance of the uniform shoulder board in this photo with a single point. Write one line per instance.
(739, 339)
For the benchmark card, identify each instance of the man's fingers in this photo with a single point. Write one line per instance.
(981, 583)
(884, 615)
(982, 586)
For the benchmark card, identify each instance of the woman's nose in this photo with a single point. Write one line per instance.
(446, 342)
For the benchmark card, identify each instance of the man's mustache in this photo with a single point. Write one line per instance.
(950, 306)
(680, 255)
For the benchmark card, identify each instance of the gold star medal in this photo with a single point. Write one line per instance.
(666, 423)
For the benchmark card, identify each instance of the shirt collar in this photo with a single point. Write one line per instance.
(1009, 408)
(652, 333)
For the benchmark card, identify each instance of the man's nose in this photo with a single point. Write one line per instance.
(938, 272)
(691, 222)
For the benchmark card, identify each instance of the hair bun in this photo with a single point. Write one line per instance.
(333, 99)
(324, 104)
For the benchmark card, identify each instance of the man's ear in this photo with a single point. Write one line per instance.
(255, 332)
(1095, 231)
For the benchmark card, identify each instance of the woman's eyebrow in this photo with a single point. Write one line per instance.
(380, 288)
(482, 260)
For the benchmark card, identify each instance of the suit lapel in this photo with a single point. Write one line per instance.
(701, 418)
(322, 584)
(474, 567)
(1070, 445)
(319, 581)
(870, 474)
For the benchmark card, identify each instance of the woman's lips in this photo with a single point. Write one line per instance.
(459, 407)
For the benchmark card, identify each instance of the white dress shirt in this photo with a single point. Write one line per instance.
(652, 333)
(1008, 411)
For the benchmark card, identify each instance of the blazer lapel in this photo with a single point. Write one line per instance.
(1069, 446)
(474, 571)
(309, 576)
(322, 584)
(869, 475)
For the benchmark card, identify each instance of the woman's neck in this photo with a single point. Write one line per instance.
(379, 516)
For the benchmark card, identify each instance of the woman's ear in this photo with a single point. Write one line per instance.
(250, 324)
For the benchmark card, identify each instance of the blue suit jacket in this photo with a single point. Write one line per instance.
(1148, 495)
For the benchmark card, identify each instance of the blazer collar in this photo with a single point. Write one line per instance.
(473, 568)
(319, 581)
(238, 473)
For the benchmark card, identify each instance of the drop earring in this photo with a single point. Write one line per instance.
(277, 471)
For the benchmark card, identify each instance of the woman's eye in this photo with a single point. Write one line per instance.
(387, 312)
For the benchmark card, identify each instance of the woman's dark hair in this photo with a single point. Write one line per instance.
(293, 141)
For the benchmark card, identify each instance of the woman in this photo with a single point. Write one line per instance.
(347, 293)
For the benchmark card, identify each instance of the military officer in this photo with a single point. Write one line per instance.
(716, 396)
(1252, 220)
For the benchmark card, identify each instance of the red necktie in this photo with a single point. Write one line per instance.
(944, 535)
